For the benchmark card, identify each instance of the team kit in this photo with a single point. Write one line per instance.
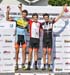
(23, 25)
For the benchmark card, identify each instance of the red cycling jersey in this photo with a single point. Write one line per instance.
(34, 29)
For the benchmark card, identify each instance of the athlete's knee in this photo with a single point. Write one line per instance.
(24, 46)
(17, 51)
(49, 51)
(44, 51)
(23, 51)
(16, 46)
(30, 51)
(36, 51)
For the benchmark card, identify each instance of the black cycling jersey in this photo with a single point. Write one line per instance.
(47, 29)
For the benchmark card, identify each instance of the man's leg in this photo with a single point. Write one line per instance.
(16, 55)
(29, 58)
(31, 43)
(36, 47)
(23, 55)
(36, 57)
(44, 58)
(49, 57)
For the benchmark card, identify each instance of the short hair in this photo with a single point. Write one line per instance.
(46, 14)
(25, 11)
(35, 14)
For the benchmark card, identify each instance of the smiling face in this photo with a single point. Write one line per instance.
(46, 18)
(35, 17)
(24, 13)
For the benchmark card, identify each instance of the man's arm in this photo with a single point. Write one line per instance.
(62, 12)
(20, 8)
(8, 18)
(7, 13)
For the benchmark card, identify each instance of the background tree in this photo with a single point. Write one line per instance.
(58, 2)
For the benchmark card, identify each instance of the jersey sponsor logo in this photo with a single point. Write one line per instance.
(21, 22)
(47, 26)
(35, 30)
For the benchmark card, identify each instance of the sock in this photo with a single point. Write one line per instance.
(29, 64)
(16, 64)
(44, 65)
(36, 63)
(22, 64)
(48, 65)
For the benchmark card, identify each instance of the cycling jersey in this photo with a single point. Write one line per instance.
(47, 34)
(34, 34)
(34, 29)
(22, 25)
(22, 22)
(47, 28)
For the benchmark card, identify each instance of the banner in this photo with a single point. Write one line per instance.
(61, 40)
(7, 38)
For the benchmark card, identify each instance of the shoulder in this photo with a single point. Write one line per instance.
(42, 23)
(27, 19)
(16, 18)
(53, 21)
(39, 23)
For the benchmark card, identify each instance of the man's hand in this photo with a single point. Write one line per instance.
(20, 6)
(8, 8)
(7, 13)
(65, 8)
